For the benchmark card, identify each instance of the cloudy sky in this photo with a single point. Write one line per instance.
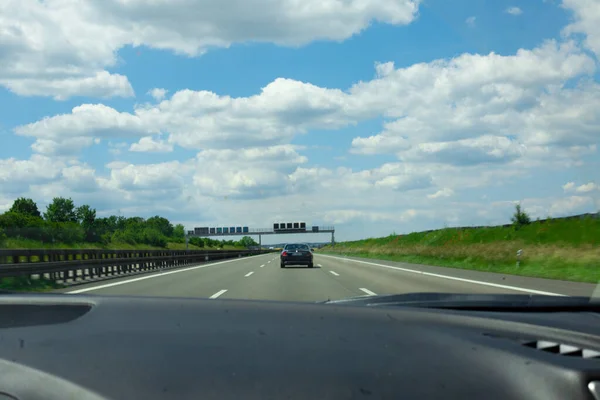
(376, 116)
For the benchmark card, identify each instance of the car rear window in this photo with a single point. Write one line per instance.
(296, 246)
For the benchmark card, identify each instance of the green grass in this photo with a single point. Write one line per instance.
(555, 249)
(24, 284)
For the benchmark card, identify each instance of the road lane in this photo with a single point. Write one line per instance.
(292, 283)
(202, 281)
(397, 277)
(261, 278)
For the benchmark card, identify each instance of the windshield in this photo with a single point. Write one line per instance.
(296, 247)
(411, 146)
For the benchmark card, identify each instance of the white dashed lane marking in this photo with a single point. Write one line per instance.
(220, 292)
(367, 291)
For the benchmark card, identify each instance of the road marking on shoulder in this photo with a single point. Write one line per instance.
(319, 265)
(367, 291)
(220, 292)
(262, 265)
(453, 278)
(249, 273)
(142, 278)
(333, 273)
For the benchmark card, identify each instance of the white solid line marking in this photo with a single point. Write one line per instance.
(334, 273)
(220, 292)
(367, 291)
(262, 265)
(154, 276)
(319, 265)
(249, 273)
(453, 278)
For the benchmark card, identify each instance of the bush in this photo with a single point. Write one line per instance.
(196, 241)
(123, 237)
(154, 237)
(66, 232)
(520, 217)
(22, 225)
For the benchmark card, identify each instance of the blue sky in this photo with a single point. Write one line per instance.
(396, 116)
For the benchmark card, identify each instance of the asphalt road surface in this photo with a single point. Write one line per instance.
(261, 278)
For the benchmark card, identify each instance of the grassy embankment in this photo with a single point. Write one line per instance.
(567, 249)
(40, 285)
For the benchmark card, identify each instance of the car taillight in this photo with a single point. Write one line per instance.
(284, 253)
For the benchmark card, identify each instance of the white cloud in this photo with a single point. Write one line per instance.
(586, 21)
(132, 179)
(202, 119)
(60, 146)
(71, 132)
(345, 216)
(471, 21)
(93, 119)
(549, 206)
(17, 175)
(470, 97)
(514, 10)
(585, 188)
(571, 205)
(489, 108)
(484, 149)
(407, 181)
(99, 84)
(80, 178)
(148, 144)
(445, 192)
(255, 172)
(158, 93)
(62, 48)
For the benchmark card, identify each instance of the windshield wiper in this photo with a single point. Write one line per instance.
(476, 302)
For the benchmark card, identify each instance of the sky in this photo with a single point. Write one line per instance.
(373, 116)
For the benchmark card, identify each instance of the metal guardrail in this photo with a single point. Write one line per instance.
(64, 266)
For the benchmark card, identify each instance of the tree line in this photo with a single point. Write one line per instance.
(64, 222)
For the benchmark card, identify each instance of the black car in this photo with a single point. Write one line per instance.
(296, 254)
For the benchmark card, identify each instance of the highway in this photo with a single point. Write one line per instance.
(261, 278)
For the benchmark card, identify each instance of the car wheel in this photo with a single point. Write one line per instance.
(282, 265)
(310, 265)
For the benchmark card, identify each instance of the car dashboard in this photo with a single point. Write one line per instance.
(57, 346)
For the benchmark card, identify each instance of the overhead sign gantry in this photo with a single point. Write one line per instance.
(278, 228)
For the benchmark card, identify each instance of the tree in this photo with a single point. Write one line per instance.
(25, 206)
(179, 232)
(61, 210)
(520, 217)
(87, 218)
(162, 224)
(247, 241)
